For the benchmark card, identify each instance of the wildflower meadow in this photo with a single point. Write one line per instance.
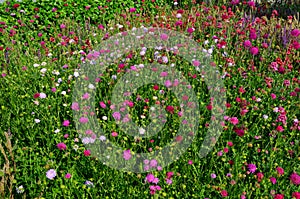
(149, 99)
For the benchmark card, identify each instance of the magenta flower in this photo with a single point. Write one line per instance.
(66, 123)
(150, 177)
(127, 155)
(62, 26)
(295, 32)
(68, 176)
(295, 178)
(273, 96)
(153, 163)
(168, 83)
(280, 170)
(87, 153)
(234, 120)
(273, 180)
(252, 168)
(132, 9)
(102, 104)
(254, 50)
(61, 146)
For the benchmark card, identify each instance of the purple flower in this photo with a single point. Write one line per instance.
(213, 175)
(295, 32)
(150, 177)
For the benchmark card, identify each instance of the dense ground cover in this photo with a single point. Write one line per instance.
(43, 155)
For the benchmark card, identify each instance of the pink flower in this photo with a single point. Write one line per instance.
(132, 9)
(127, 155)
(273, 180)
(196, 63)
(224, 193)
(68, 176)
(75, 106)
(62, 26)
(295, 32)
(83, 120)
(164, 37)
(190, 30)
(87, 152)
(295, 178)
(66, 123)
(280, 170)
(273, 96)
(279, 196)
(252, 168)
(251, 3)
(234, 120)
(280, 128)
(61, 146)
(114, 134)
(168, 83)
(296, 195)
(254, 50)
(117, 115)
(150, 177)
(247, 44)
(102, 104)
(190, 162)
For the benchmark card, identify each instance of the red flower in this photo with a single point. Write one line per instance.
(170, 109)
(279, 196)
(296, 195)
(37, 95)
(16, 5)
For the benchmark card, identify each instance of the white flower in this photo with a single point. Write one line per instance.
(175, 3)
(75, 147)
(20, 189)
(141, 66)
(43, 63)
(265, 117)
(275, 109)
(43, 95)
(36, 65)
(55, 72)
(37, 120)
(206, 42)
(76, 74)
(210, 51)
(258, 99)
(114, 76)
(59, 80)
(71, 41)
(178, 15)
(63, 92)
(57, 131)
(142, 131)
(104, 118)
(43, 70)
(49, 54)
(36, 102)
(91, 86)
